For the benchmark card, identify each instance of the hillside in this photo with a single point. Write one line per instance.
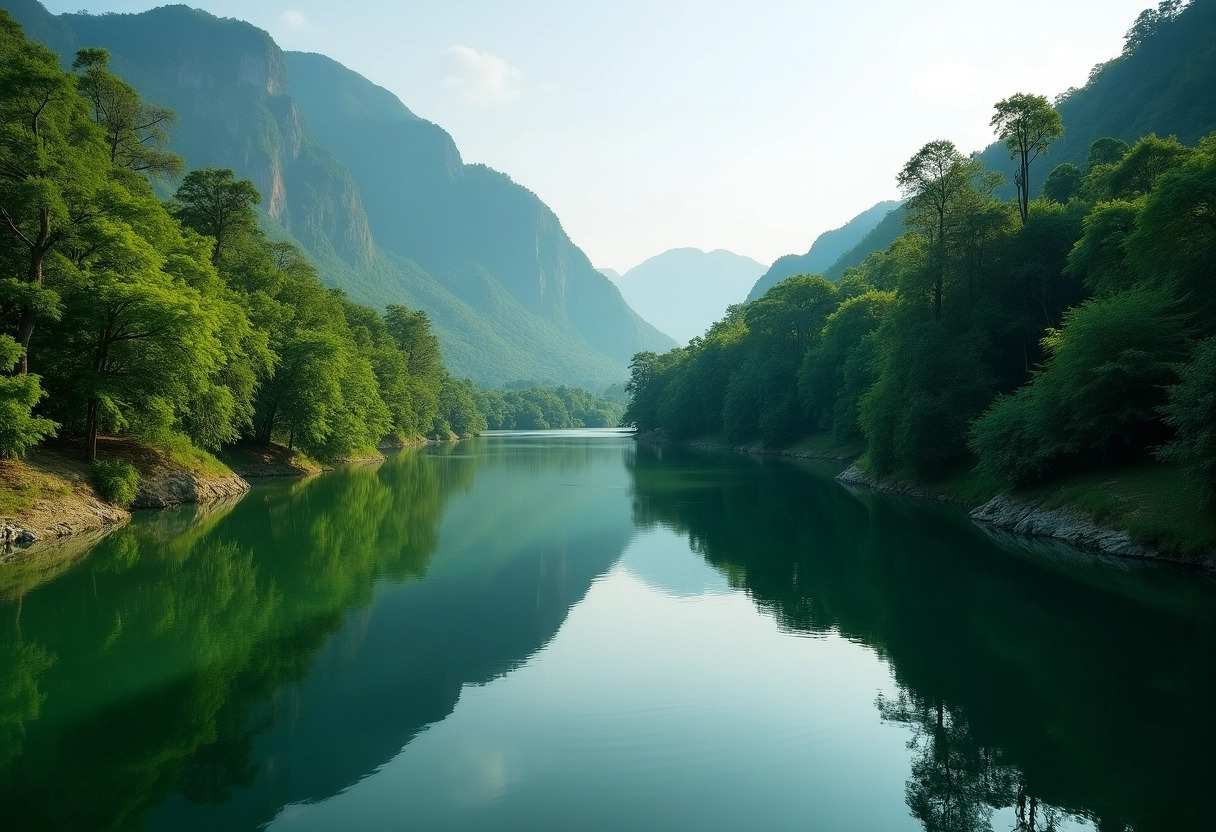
(1164, 86)
(684, 290)
(827, 249)
(378, 197)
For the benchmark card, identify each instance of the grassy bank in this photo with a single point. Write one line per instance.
(1153, 502)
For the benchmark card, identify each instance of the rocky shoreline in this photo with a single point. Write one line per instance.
(1035, 519)
(1028, 519)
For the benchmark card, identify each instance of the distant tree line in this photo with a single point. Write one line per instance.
(120, 314)
(545, 408)
(1028, 338)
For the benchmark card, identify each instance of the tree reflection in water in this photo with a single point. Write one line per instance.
(1041, 686)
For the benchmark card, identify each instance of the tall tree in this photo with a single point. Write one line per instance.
(214, 202)
(136, 133)
(52, 164)
(1028, 124)
(934, 179)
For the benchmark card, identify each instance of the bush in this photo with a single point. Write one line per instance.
(20, 429)
(1192, 412)
(116, 481)
(1098, 393)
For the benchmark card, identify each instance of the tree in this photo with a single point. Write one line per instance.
(934, 179)
(1097, 395)
(52, 164)
(1063, 183)
(134, 346)
(1191, 411)
(1028, 124)
(1106, 151)
(20, 429)
(212, 201)
(136, 133)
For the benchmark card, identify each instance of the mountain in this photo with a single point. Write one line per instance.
(685, 290)
(825, 251)
(612, 274)
(1163, 85)
(379, 198)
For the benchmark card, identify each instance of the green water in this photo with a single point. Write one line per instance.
(571, 632)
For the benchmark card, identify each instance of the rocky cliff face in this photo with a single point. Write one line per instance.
(228, 83)
(380, 198)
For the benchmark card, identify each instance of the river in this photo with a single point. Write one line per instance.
(570, 631)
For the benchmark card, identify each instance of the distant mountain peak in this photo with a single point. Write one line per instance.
(684, 290)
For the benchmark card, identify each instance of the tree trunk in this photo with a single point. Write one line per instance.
(1024, 196)
(25, 333)
(941, 267)
(25, 329)
(90, 432)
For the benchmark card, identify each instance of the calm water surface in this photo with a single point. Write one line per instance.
(571, 632)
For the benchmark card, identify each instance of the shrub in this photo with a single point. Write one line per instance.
(20, 429)
(1098, 393)
(116, 481)
(1192, 412)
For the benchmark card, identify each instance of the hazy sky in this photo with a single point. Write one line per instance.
(648, 125)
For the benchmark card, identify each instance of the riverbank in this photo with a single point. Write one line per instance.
(1146, 511)
(820, 446)
(50, 495)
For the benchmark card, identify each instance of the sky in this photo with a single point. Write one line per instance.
(646, 125)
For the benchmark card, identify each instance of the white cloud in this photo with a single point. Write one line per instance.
(479, 77)
(293, 19)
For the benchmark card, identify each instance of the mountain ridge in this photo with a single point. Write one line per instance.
(825, 251)
(510, 295)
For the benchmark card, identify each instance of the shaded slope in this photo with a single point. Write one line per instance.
(511, 297)
(1165, 87)
(827, 249)
(456, 220)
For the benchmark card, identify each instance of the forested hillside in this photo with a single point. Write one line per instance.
(1026, 339)
(379, 198)
(180, 323)
(1162, 84)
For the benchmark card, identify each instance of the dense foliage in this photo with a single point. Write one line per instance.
(1030, 339)
(545, 408)
(121, 314)
(379, 199)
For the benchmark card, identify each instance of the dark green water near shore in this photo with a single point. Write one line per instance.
(573, 632)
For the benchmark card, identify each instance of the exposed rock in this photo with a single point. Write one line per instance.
(177, 486)
(1033, 518)
(854, 477)
(52, 518)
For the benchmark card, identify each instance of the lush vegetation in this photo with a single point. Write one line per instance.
(378, 198)
(116, 480)
(544, 408)
(178, 323)
(1028, 339)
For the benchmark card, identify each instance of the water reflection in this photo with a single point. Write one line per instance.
(1044, 687)
(200, 670)
(230, 668)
